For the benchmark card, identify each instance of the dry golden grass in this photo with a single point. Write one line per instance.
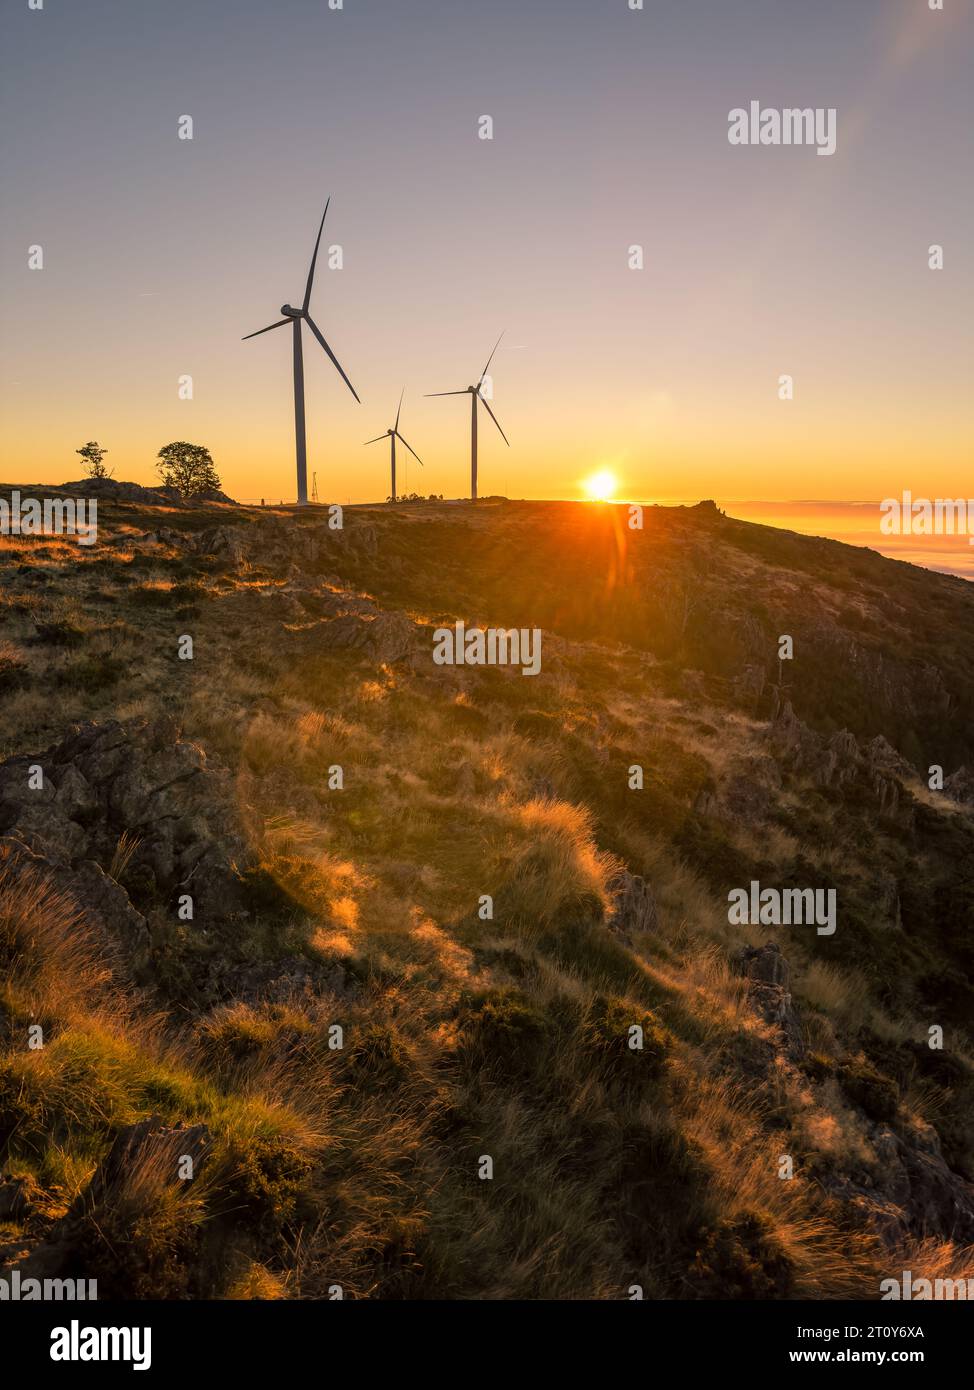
(47, 948)
(935, 1260)
(833, 991)
(465, 1034)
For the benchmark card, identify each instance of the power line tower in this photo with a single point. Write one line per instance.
(314, 487)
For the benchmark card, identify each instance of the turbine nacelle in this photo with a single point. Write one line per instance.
(290, 313)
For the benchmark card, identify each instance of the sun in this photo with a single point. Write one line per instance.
(601, 486)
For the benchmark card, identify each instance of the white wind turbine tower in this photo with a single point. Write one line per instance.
(475, 397)
(295, 317)
(392, 435)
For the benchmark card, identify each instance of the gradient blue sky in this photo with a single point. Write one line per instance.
(610, 129)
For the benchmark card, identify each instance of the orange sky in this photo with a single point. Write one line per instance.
(609, 131)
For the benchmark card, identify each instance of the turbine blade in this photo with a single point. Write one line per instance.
(398, 413)
(489, 360)
(280, 324)
(411, 449)
(341, 371)
(311, 272)
(376, 439)
(446, 393)
(495, 420)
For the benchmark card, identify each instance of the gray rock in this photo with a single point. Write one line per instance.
(110, 489)
(104, 780)
(99, 898)
(74, 796)
(960, 786)
(839, 761)
(767, 972)
(386, 638)
(16, 1197)
(137, 1143)
(748, 686)
(633, 906)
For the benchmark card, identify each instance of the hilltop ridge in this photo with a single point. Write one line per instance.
(458, 869)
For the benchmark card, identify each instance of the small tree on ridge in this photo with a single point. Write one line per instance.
(188, 468)
(93, 454)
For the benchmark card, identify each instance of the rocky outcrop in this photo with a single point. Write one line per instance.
(895, 690)
(272, 542)
(908, 1190)
(744, 794)
(288, 979)
(748, 686)
(385, 638)
(767, 973)
(633, 907)
(112, 490)
(827, 762)
(222, 542)
(141, 803)
(147, 1141)
(86, 884)
(840, 761)
(66, 810)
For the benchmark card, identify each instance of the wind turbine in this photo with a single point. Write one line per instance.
(392, 435)
(474, 393)
(295, 317)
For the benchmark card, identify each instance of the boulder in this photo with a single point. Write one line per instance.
(909, 1191)
(110, 489)
(160, 791)
(102, 901)
(384, 639)
(767, 973)
(633, 907)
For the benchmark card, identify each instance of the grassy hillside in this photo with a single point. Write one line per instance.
(341, 1035)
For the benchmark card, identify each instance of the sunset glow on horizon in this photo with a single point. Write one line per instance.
(601, 486)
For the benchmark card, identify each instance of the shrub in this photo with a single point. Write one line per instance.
(91, 673)
(13, 669)
(501, 1031)
(375, 1058)
(741, 1258)
(874, 1093)
(606, 1032)
(264, 1183)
